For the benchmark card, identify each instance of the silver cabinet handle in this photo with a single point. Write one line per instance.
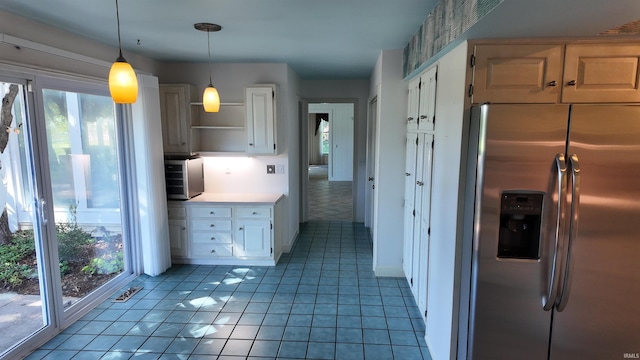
(423, 116)
(407, 174)
(552, 83)
(419, 183)
(571, 83)
(548, 300)
(573, 230)
(409, 118)
(370, 178)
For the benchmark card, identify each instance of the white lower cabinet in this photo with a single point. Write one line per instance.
(228, 234)
(177, 229)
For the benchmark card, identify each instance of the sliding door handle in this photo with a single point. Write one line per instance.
(42, 205)
(565, 287)
(549, 298)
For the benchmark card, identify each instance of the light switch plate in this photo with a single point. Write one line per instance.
(271, 169)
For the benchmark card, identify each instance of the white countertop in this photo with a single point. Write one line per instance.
(236, 198)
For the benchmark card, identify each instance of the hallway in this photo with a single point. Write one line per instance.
(329, 200)
(321, 301)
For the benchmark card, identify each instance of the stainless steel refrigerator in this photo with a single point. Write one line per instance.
(555, 241)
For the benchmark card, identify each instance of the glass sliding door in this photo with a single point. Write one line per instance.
(82, 160)
(25, 300)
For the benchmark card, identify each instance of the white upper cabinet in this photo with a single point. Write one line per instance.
(260, 104)
(422, 101)
(175, 115)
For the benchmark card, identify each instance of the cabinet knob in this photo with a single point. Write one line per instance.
(571, 83)
(552, 83)
(254, 213)
(213, 238)
(250, 144)
(409, 119)
(419, 183)
(184, 143)
(407, 174)
(212, 213)
(213, 225)
(184, 228)
(213, 251)
(241, 228)
(370, 178)
(423, 116)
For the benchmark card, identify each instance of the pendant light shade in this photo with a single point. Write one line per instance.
(123, 83)
(211, 99)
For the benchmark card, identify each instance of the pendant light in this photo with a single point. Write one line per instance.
(123, 84)
(210, 97)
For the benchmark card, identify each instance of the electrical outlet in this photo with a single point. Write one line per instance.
(280, 169)
(271, 169)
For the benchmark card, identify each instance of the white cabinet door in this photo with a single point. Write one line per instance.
(178, 237)
(427, 106)
(253, 238)
(260, 120)
(409, 201)
(175, 115)
(421, 249)
(413, 103)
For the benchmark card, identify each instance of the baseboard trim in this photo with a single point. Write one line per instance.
(287, 248)
(389, 271)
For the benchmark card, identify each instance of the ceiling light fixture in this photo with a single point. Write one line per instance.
(123, 84)
(210, 97)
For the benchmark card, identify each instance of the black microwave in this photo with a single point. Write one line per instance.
(184, 178)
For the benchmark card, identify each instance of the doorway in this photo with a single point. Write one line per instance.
(61, 232)
(328, 169)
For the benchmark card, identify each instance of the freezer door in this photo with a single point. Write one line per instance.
(517, 148)
(601, 319)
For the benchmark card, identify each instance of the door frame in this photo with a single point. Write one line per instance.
(304, 159)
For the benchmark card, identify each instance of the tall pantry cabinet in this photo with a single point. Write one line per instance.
(418, 170)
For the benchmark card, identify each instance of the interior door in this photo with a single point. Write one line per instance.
(371, 163)
(599, 310)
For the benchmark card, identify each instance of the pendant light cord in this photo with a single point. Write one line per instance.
(118, 21)
(209, 48)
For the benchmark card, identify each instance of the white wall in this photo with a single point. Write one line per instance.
(243, 174)
(446, 208)
(387, 85)
(341, 90)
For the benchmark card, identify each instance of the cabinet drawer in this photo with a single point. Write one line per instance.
(254, 212)
(210, 211)
(177, 212)
(211, 237)
(210, 224)
(211, 251)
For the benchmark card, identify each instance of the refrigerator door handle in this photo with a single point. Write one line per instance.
(574, 163)
(549, 299)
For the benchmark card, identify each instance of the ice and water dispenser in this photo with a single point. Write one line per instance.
(520, 220)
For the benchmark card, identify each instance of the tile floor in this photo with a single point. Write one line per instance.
(328, 200)
(321, 301)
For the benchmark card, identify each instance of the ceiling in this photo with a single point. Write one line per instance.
(321, 39)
